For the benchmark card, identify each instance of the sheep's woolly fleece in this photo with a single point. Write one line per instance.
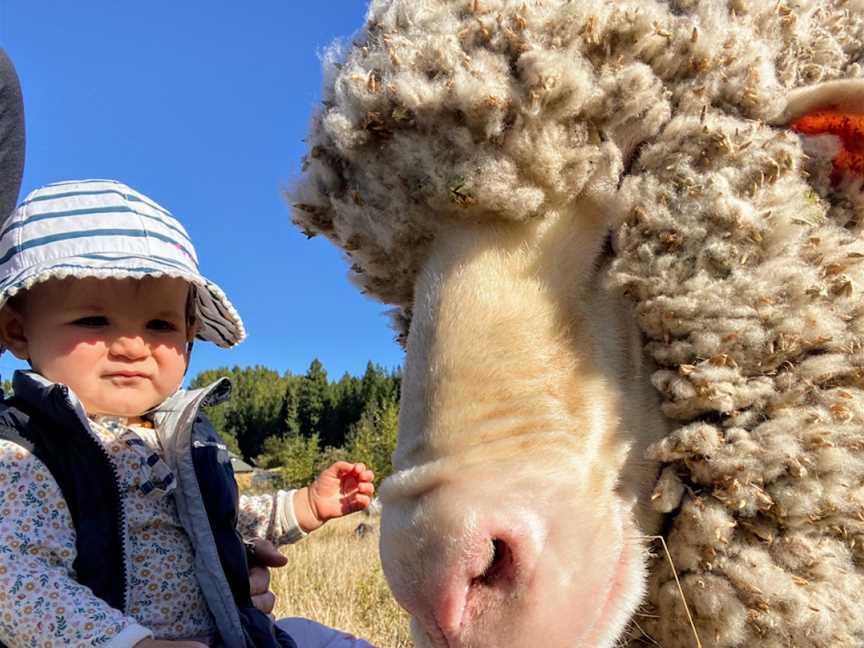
(743, 258)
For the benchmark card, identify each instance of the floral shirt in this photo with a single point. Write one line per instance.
(42, 605)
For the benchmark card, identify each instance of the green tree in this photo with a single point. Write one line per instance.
(290, 415)
(372, 439)
(274, 417)
(253, 412)
(257, 404)
(377, 386)
(343, 409)
(296, 456)
(313, 395)
(330, 455)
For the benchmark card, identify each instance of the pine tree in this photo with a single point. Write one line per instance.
(343, 409)
(290, 414)
(257, 403)
(301, 421)
(313, 395)
(253, 412)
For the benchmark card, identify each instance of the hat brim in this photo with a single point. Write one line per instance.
(218, 320)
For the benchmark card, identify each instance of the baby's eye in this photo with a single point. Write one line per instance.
(92, 321)
(161, 325)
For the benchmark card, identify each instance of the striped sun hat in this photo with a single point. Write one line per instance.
(104, 229)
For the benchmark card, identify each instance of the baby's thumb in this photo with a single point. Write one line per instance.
(266, 555)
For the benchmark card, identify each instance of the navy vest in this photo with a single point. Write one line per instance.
(58, 439)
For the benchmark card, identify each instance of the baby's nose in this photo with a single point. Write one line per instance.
(129, 346)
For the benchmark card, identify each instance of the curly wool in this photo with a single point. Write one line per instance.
(744, 263)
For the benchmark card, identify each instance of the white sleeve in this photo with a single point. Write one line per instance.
(270, 517)
(129, 636)
(41, 604)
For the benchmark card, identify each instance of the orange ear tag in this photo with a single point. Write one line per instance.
(848, 128)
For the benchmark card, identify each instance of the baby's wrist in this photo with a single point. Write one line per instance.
(304, 510)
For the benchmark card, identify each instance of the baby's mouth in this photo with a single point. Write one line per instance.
(126, 375)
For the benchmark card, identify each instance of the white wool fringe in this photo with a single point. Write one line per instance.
(745, 265)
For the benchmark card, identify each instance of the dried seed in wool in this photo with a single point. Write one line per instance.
(459, 192)
(402, 115)
(775, 169)
(659, 31)
(843, 288)
(520, 22)
(372, 83)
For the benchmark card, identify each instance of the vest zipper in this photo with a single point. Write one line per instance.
(120, 508)
(209, 444)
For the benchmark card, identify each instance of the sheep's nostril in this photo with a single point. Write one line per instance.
(499, 567)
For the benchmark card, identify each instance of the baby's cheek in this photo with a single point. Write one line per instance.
(173, 364)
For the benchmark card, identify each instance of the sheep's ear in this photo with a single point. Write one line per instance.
(835, 109)
(837, 96)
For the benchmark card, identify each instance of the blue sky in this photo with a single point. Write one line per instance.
(203, 106)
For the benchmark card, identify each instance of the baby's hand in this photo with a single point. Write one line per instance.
(339, 490)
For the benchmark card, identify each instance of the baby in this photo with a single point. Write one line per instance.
(119, 517)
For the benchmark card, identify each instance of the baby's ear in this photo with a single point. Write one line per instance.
(12, 335)
(192, 328)
(831, 116)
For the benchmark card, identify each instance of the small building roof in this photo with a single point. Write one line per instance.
(239, 465)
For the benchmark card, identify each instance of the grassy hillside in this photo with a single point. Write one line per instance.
(334, 577)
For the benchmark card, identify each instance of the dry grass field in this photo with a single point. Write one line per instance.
(334, 576)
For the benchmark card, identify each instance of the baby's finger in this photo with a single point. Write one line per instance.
(267, 555)
(342, 468)
(259, 580)
(264, 602)
(361, 502)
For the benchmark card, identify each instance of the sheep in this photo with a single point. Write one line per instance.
(622, 240)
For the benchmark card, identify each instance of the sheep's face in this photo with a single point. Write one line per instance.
(516, 510)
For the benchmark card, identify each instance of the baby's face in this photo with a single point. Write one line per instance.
(120, 344)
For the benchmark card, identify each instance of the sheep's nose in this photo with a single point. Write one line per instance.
(458, 575)
(474, 587)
